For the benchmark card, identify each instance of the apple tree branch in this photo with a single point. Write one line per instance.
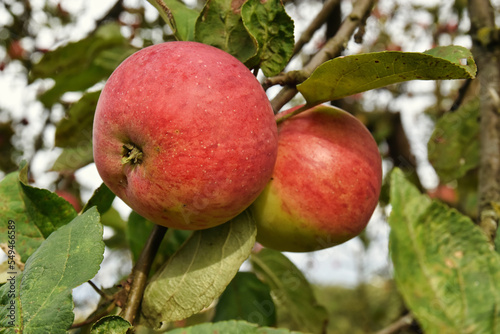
(330, 50)
(486, 50)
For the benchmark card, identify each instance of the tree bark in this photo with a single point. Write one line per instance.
(486, 50)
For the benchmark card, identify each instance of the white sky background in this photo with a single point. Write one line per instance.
(346, 264)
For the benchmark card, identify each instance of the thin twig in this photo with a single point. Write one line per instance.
(285, 94)
(330, 50)
(167, 16)
(96, 317)
(318, 21)
(461, 95)
(140, 273)
(401, 323)
(99, 291)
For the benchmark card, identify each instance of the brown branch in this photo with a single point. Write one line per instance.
(487, 56)
(99, 291)
(462, 91)
(320, 19)
(140, 273)
(285, 95)
(333, 47)
(94, 318)
(401, 323)
(337, 43)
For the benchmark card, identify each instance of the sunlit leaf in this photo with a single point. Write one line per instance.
(453, 148)
(344, 76)
(199, 271)
(268, 22)
(444, 267)
(181, 18)
(46, 210)
(220, 25)
(67, 258)
(290, 290)
(73, 158)
(36, 212)
(13, 208)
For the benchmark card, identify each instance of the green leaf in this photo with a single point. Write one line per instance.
(246, 298)
(111, 324)
(199, 271)
(290, 289)
(76, 128)
(73, 158)
(12, 207)
(46, 210)
(453, 148)
(102, 198)
(344, 76)
(444, 267)
(138, 231)
(268, 22)
(181, 18)
(67, 258)
(220, 24)
(36, 212)
(9, 305)
(79, 65)
(113, 219)
(232, 326)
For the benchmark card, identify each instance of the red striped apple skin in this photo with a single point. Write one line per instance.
(326, 182)
(200, 127)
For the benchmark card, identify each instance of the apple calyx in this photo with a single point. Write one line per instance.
(131, 154)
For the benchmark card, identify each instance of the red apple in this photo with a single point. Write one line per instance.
(72, 199)
(16, 50)
(185, 135)
(325, 185)
(444, 193)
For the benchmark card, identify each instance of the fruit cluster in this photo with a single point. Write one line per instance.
(186, 136)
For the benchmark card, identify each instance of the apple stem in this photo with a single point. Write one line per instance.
(293, 113)
(140, 273)
(132, 154)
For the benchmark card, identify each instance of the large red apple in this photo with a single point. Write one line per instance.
(185, 135)
(325, 185)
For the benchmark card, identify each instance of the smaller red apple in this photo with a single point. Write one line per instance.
(16, 50)
(444, 193)
(70, 198)
(325, 184)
